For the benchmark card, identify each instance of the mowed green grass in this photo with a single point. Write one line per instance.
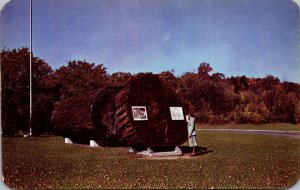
(232, 161)
(278, 126)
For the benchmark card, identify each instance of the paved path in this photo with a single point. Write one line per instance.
(290, 134)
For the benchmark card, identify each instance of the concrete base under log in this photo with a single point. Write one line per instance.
(149, 152)
(68, 141)
(93, 143)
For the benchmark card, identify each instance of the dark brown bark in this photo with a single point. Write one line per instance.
(74, 115)
(88, 116)
(103, 117)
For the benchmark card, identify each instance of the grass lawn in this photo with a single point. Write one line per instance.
(277, 126)
(233, 161)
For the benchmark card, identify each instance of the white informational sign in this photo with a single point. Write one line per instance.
(176, 113)
(139, 113)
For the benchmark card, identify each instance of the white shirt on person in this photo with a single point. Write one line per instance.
(191, 126)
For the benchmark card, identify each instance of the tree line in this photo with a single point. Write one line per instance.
(212, 97)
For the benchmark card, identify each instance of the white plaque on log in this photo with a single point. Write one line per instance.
(139, 113)
(176, 113)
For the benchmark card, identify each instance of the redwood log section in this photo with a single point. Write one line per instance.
(88, 116)
(159, 130)
(72, 118)
(106, 115)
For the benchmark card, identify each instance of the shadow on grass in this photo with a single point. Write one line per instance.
(186, 150)
(198, 151)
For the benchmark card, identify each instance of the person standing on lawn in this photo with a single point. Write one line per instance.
(192, 131)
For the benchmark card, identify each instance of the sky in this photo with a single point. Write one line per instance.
(236, 37)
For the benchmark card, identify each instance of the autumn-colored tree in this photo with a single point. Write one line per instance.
(211, 96)
(251, 109)
(279, 98)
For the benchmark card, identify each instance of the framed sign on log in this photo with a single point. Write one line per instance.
(139, 113)
(176, 113)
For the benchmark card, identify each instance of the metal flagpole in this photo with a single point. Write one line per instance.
(30, 72)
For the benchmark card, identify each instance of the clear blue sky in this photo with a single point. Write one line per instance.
(237, 37)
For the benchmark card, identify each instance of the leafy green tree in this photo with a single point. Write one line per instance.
(266, 83)
(119, 78)
(217, 77)
(240, 83)
(15, 91)
(79, 76)
(169, 79)
(297, 112)
(203, 70)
